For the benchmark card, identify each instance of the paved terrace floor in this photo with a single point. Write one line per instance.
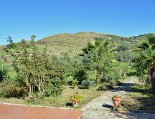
(28, 112)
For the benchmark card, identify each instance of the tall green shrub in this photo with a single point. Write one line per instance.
(34, 68)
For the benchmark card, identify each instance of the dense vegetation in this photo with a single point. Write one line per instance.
(83, 60)
(144, 63)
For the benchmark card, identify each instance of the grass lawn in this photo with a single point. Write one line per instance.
(57, 101)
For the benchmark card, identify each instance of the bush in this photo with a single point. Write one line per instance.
(53, 88)
(112, 75)
(3, 74)
(69, 80)
(80, 76)
(105, 87)
(85, 84)
(12, 89)
(91, 75)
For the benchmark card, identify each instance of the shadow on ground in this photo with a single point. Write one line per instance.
(124, 87)
(107, 106)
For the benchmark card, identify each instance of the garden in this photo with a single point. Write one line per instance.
(31, 75)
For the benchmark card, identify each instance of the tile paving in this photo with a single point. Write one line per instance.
(29, 112)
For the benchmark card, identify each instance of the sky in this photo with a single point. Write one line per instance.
(22, 18)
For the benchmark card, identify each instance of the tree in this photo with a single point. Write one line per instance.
(99, 56)
(10, 41)
(144, 63)
(3, 72)
(34, 68)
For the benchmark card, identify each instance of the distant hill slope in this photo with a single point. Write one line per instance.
(73, 43)
(84, 36)
(1, 47)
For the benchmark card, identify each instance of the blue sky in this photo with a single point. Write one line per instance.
(23, 18)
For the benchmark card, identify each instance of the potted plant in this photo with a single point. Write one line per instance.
(75, 99)
(117, 101)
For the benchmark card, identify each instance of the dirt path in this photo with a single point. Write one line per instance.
(101, 107)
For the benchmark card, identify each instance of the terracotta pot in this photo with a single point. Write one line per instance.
(117, 101)
(75, 104)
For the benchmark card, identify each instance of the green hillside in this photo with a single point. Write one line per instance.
(73, 43)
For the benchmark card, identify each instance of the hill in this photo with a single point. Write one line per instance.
(1, 47)
(73, 43)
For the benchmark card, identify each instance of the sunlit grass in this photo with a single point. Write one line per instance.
(57, 101)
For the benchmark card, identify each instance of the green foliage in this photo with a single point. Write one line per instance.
(124, 51)
(68, 79)
(144, 63)
(3, 72)
(69, 66)
(85, 84)
(145, 58)
(34, 69)
(75, 83)
(125, 56)
(91, 75)
(98, 61)
(89, 78)
(101, 60)
(10, 41)
(11, 89)
(112, 74)
(80, 75)
(54, 88)
(105, 87)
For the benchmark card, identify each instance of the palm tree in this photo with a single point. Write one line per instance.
(145, 62)
(99, 56)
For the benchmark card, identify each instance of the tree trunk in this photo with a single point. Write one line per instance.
(152, 74)
(30, 90)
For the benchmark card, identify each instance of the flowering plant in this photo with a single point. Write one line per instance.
(76, 99)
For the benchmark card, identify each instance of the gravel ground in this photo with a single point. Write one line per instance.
(101, 107)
